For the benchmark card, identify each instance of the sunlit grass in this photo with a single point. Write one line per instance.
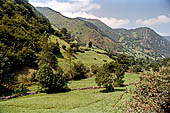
(84, 101)
(88, 58)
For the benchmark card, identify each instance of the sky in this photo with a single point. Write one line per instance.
(128, 14)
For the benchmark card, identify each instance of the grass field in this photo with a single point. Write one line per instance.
(80, 101)
(88, 58)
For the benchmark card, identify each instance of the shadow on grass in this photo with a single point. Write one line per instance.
(60, 55)
(60, 91)
(5, 91)
(105, 91)
(120, 89)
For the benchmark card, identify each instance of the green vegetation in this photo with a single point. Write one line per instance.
(83, 32)
(49, 81)
(83, 101)
(88, 57)
(22, 29)
(79, 71)
(139, 43)
(110, 75)
(152, 93)
(36, 58)
(135, 40)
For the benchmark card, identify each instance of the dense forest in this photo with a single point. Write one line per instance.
(21, 33)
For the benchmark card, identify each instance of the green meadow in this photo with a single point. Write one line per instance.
(78, 101)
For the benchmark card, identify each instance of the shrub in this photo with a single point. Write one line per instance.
(90, 44)
(63, 47)
(22, 79)
(166, 62)
(136, 69)
(20, 88)
(110, 75)
(152, 93)
(155, 66)
(105, 79)
(79, 71)
(94, 69)
(54, 48)
(49, 81)
(20, 84)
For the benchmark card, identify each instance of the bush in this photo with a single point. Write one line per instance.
(166, 62)
(94, 69)
(110, 75)
(136, 69)
(79, 71)
(22, 79)
(105, 79)
(90, 44)
(152, 93)
(63, 47)
(54, 48)
(20, 84)
(20, 88)
(49, 81)
(155, 66)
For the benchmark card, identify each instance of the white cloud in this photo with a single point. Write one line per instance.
(74, 6)
(114, 22)
(111, 22)
(153, 21)
(81, 8)
(162, 34)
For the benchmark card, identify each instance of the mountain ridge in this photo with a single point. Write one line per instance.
(132, 41)
(167, 38)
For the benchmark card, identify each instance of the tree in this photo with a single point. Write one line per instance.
(94, 69)
(47, 55)
(64, 31)
(54, 48)
(90, 44)
(136, 69)
(49, 81)
(70, 54)
(63, 47)
(125, 60)
(166, 62)
(79, 71)
(66, 35)
(110, 75)
(105, 79)
(44, 77)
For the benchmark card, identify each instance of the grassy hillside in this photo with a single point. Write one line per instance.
(89, 58)
(142, 39)
(82, 31)
(140, 42)
(84, 101)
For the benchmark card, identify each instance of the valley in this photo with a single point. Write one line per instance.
(50, 63)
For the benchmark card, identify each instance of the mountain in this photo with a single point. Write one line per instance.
(143, 38)
(82, 31)
(140, 42)
(167, 37)
(22, 28)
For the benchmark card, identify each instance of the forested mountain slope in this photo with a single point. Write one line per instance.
(21, 31)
